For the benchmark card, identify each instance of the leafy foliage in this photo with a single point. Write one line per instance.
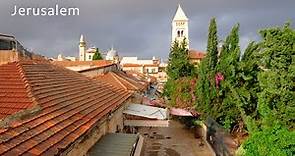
(277, 97)
(97, 55)
(274, 141)
(229, 114)
(212, 44)
(258, 90)
(181, 92)
(179, 71)
(215, 100)
(205, 89)
(274, 94)
(179, 65)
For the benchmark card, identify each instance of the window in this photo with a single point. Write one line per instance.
(6, 45)
(181, 34)
(178, 33)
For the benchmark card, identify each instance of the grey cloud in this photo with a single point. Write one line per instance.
(138, 27)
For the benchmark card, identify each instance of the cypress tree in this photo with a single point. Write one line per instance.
(206, 91)
(212, 43)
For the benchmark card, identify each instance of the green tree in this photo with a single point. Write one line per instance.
(277, 97)
(271, 141)
(179, 67)
(212, 43)
(215, 99)
(273, 125)
(97, 55)
(206, 91)
(228, 68)
(257, 90)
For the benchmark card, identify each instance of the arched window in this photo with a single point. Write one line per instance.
(181, 33)
(178, 33)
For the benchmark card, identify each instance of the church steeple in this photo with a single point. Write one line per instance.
(180, 15)
(180, 26)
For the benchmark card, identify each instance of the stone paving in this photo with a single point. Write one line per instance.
(175, 140)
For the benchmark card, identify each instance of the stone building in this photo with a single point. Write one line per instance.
(85, 54)
(196, 56)
(148, 67)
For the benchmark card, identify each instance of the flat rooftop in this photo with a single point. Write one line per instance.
(115, 144)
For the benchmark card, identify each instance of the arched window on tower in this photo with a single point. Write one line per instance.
(181, 34)
(178, 33)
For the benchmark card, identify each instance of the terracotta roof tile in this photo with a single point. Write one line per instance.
(132, 65)
(122, 80)
(194, 54)
(97, 63)
(139, 65)
(141, 76)
(13, 91)
(70, 104)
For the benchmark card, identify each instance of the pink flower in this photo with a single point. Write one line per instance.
(218, 77)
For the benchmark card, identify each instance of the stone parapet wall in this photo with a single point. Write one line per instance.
(109, 124)
(7, 56)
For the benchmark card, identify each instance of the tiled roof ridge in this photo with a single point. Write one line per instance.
(133, 78)
(117, 79)
(4, 123)
(126, 81)
(27, 85)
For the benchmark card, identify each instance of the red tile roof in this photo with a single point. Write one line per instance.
(141, 76)
(96, 63)
(122, 80)
(69, 105)
(194, 54)
(151, 65)
(14, 93)
(132, 65)
(140, 65)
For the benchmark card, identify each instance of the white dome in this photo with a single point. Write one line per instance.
(112, 53)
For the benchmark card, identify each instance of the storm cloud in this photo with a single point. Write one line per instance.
(137, 27)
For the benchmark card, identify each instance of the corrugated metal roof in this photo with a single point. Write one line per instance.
(146, 111)
(147, 123)
(115, 144)
(180, 112)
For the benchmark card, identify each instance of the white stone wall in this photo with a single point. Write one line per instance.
(89, 56)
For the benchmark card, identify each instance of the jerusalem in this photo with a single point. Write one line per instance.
(51, 11)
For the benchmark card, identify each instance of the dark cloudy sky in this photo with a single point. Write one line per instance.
(138, 27)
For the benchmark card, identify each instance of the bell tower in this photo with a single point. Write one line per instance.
(180, 27)
(82, 49)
